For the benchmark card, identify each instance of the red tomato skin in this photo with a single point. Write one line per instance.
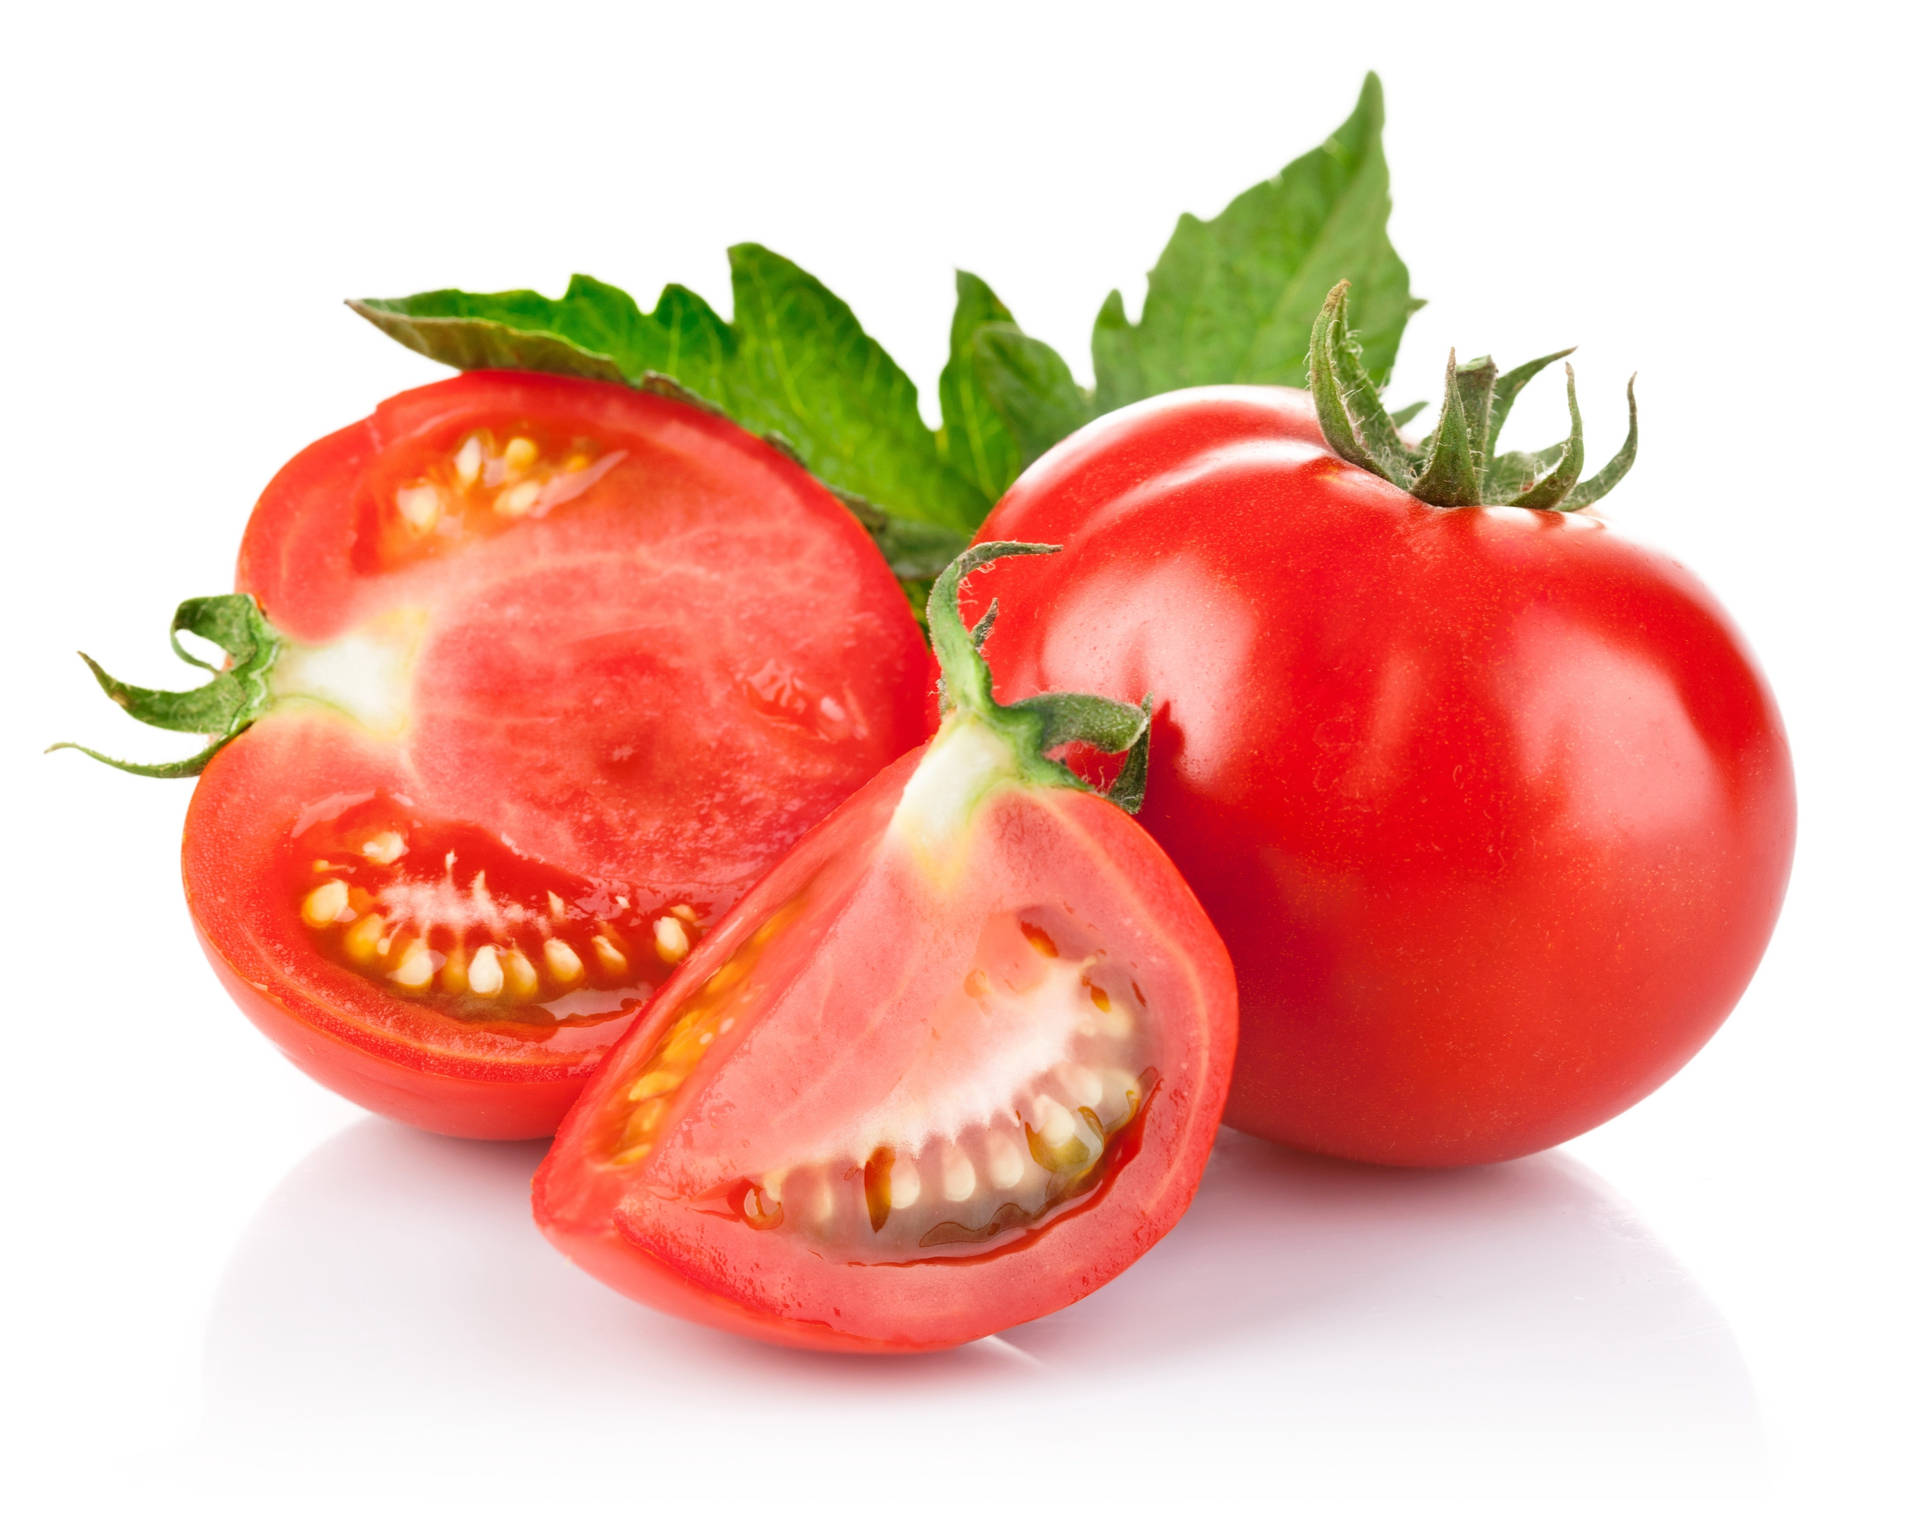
(653, 1249)
(438, 1074)
(1493, 808)
(486, 1107)
(297, 558)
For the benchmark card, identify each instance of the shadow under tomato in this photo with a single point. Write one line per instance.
(396, 1270)
(393, 1297)
(1525, 1295)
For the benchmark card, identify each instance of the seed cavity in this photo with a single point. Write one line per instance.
(324, 904)
(415, 967)
(678, 1049)
(1004, 1161)
(1082, 1087)
(654, 1084)
(924, 1177)
(814, 1194)
(384, 848)
(760, 1210)
(1039, 939)
(469, 459)
(486, 977)
(1057, 1144)
(486, 483)
(445, 932)
(904, 1185)
(1052, 1122)
(877, 1182)
(608, 956)
(670, 940)
(518, 500)
(563, 962)
(522, 981)
(362, 942)
(420, 507)
(957, 1177)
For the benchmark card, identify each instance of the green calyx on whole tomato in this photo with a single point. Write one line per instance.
(1455, 465)
(1492, 806)
(953, 1064)
(529, 678)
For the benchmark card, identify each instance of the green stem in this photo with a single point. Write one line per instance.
(1034, 727)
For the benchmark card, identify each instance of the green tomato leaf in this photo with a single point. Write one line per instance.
(794, 363)
(805, 369)
(974, 440)
(1030, 387)
(1233, 300)
(1005, 396)
(514, 329)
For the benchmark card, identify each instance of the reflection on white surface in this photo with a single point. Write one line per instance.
(1514, 1326)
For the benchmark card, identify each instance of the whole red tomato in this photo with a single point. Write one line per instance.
(1491, 806)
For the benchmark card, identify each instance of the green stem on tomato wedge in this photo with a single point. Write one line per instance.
(221, 708)
(1455, 465)
(1034, 727)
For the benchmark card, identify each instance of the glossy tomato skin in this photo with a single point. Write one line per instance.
(440, 1075)
(655, 687)
(432, 1092)
(1493, 808)
(880, 929)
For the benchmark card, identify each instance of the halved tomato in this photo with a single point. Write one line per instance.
(956, 1062)
(543, 674)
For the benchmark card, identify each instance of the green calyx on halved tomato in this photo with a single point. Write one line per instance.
(529, 678)
(219, 710)
(957, 1061)
(1491, 805)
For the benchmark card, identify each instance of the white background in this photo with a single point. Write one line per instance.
(228, 1292)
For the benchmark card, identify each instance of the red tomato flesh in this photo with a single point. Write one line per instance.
(571, 666)
(982, 1049)
(1492, 807)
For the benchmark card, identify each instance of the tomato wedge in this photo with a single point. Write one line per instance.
(956, 1062)
(537, 676)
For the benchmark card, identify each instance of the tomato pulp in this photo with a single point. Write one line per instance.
(565, 667)
(954, 1063)
(1492, 806)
